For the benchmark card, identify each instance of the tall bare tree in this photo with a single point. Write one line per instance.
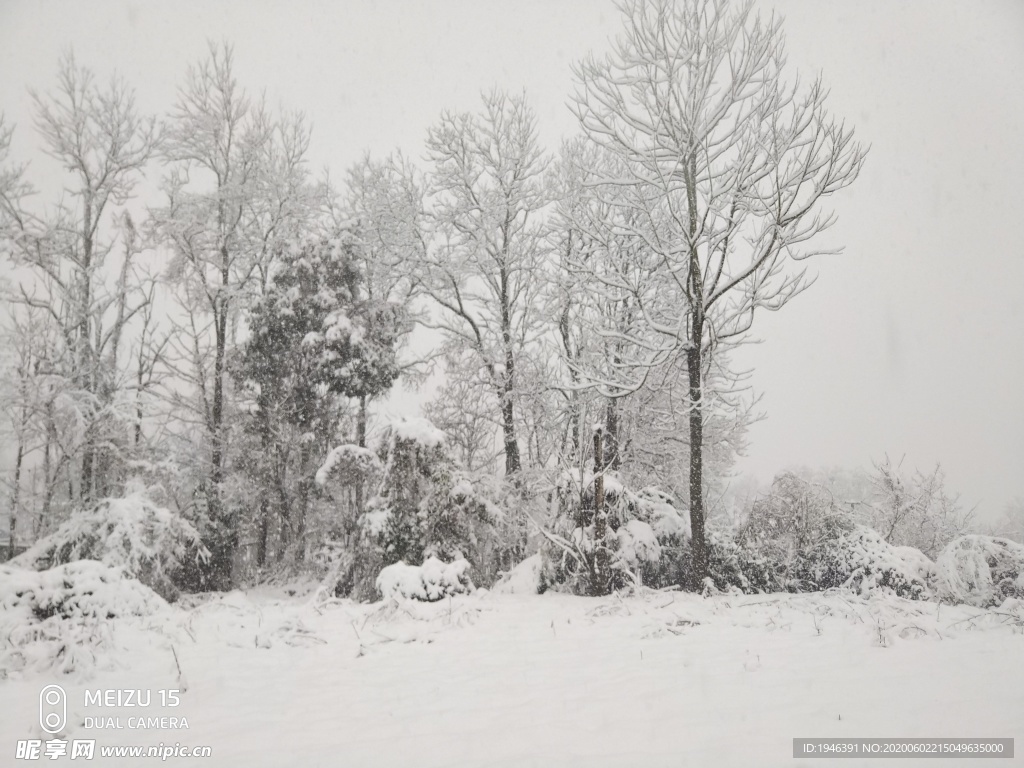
(66, 253)
(482, 268)
(721, 166)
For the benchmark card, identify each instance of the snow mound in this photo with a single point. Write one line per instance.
(147, 541)
(524, 579)
(417, 430)
(980, 570)
(59, 618)
(431, 581)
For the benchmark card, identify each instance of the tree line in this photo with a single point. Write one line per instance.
(218, 341)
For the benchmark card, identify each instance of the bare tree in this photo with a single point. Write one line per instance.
(487, 244)
(463, 409)
(721, 166)
(67, 253)
(914, 511)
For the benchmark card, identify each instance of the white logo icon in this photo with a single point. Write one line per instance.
(53, 708)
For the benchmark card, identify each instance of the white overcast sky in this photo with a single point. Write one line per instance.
(909, 344)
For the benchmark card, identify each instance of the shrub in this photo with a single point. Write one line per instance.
(980, 570)
(919, 564)
(431, 581)
(425, 506)
(733, 565)
(863, 561)
(148, 542)
(792, 527)
(807, 543)
(640, 525)
(57, 618)
(524, 579)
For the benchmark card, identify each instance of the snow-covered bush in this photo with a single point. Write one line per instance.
(919, 564)
(733, 565)
(980, 570)
(637, 544)
(459, 520)
(792, 528)
(56, 618)
(431, 581)
(809, 544)
(524, 579)
(425, 505)
(862, 560)
(149, 542)
(640, 526)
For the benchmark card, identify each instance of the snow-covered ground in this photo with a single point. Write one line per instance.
(274, 679)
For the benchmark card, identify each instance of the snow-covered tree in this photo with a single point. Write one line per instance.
(383, 206)
(483, 265)
(315, 338)
(238, 185)
(75, 264)
(425, 506)
(914, 511)
(721, 167)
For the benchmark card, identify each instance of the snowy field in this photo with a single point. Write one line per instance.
(284, 677)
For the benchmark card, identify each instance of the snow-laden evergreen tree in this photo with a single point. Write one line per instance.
(315, 341)
(425, 506)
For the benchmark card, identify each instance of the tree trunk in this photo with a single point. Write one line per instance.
(508, 428)
(264, 530)
(305, 486)
(283, 508)
(86, 373)
(361, 442)
(15, 499)
(222, 547)
(612, 459)
(695, 374)
(600, 575)
(700, 551)
(49, 474)
(508, 425)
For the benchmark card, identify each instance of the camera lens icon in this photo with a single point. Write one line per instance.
(53, 708)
